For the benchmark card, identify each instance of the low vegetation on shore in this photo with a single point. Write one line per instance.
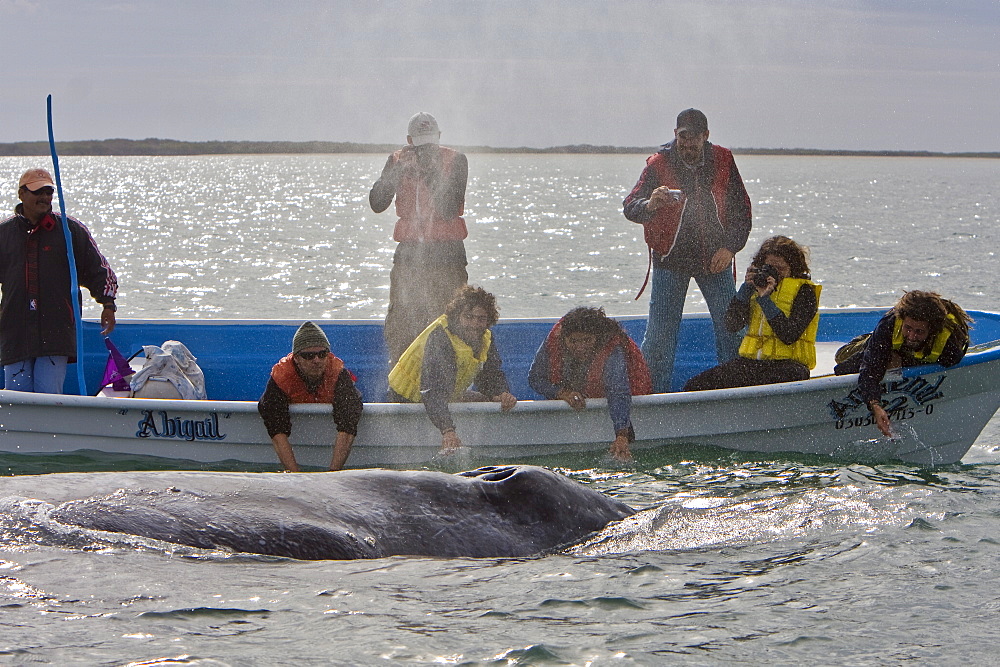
(173, 147)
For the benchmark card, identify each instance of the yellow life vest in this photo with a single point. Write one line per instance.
(760, 341)
(936, 347)
(404, 379)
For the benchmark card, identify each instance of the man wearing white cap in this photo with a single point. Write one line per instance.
(37, 325)
(428, 182)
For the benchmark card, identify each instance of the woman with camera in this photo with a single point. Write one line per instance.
(779, 306)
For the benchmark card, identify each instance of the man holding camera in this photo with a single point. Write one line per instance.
(695, 212)
(428, 182)
(778, 306)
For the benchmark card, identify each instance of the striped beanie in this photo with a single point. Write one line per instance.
(309, 335)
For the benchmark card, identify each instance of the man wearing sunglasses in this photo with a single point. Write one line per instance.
(37, 322)
(310, 374)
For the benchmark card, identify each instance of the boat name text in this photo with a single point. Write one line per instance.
(159, 424)
(912, 396)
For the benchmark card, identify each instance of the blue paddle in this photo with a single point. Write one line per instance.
(74, 285)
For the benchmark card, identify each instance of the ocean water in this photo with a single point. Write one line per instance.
(733, 558)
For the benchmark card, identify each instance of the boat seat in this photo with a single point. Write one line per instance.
(825, 362)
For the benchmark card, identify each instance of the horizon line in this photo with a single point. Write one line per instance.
(155, 146)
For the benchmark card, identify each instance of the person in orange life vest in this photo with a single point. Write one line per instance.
(922, 328)
(428, 182)
(310, 374)
(37, 322)
(695, 214)
(778, 305)
(588, 355)
(454, 352)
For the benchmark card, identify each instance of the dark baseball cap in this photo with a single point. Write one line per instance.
(692, 120)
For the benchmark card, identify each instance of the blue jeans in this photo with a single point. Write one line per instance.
(666, 304)
(43, 375)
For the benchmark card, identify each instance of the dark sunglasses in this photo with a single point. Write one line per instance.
(44, 190)
(312, 355)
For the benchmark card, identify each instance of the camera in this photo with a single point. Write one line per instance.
(761, 274)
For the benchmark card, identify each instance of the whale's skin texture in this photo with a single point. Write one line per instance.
(493, 512)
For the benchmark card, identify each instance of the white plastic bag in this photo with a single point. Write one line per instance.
(174, 363)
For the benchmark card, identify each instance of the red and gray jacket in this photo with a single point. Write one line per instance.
(722, 218)
(36, 310)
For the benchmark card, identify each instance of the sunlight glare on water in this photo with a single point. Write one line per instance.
(291, 236)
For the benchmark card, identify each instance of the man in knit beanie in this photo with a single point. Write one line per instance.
(310, 374)
(308, 336)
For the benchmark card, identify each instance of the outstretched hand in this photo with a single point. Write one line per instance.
(620, 451)
(450, 442)
(881, 419)
(506, 400)
(575, 399)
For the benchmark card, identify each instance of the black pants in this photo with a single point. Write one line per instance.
(743, 372)
(422, 282)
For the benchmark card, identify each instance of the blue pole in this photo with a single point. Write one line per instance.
(74, 284)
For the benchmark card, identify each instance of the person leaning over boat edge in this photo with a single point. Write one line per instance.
(428, 182)
(455, 351)
(37, 320)
(695, 213)
(588, 355)
(922, 328)
(778, 304)
(310, 374)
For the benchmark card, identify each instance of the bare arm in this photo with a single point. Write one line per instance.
(341, 450)
(283, 449)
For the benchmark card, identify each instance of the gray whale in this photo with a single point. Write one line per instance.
(508, 511)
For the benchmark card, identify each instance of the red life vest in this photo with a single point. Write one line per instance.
(418, 217)
(661, 230)
(639, 379)
(289, 381)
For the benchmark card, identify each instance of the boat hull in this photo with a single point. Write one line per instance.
(937, 412)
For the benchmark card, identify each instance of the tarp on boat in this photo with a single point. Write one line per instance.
(174, 363)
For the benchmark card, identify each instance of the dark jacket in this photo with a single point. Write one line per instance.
(874, 360)
(36, 311)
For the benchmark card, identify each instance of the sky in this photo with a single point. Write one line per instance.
(827, 74)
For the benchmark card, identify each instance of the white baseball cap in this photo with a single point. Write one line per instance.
(423, 129)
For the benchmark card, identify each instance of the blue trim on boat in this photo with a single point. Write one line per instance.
(237, 355)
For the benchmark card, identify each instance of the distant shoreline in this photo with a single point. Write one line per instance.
(171, 147)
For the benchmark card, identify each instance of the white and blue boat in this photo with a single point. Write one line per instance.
(937, 412)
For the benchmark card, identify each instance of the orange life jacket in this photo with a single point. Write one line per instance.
(289, 381)
(418, 217)
(639, 379)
